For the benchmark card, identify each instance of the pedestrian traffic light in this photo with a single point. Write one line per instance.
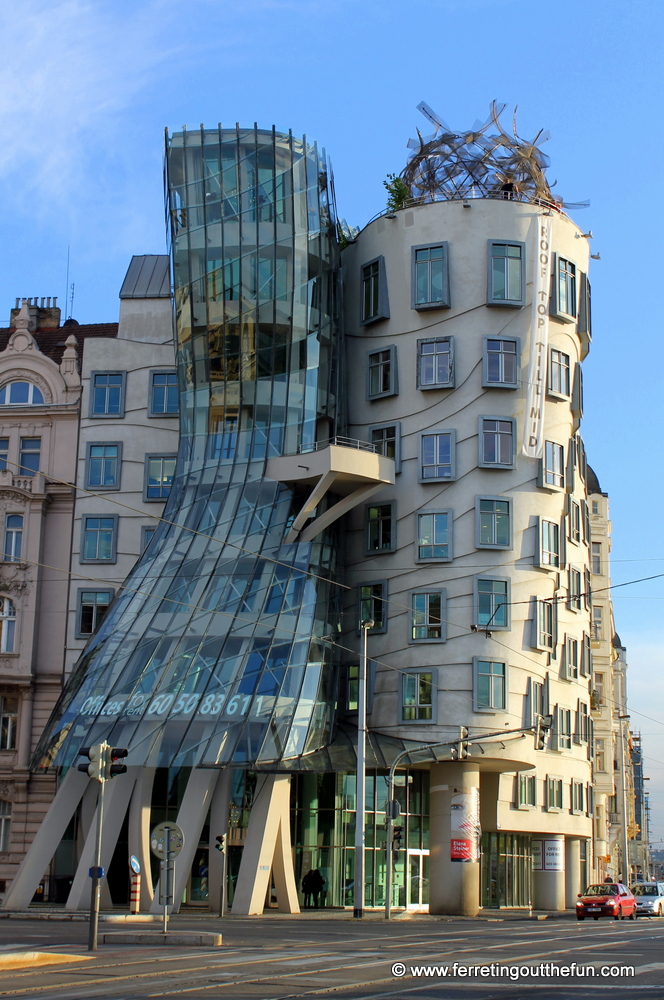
(397, 834)
(221, 843)
(97, 757)
(463, 750)
(112, 769)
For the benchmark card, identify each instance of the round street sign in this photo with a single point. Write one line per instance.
(135, 864)
(158, 840)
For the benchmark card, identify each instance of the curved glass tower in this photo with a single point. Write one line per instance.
(214, 652)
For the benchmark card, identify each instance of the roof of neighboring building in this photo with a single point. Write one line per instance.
(593, 482)
(52, 340)
(147, 277)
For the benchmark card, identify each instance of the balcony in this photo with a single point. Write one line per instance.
(347, 467)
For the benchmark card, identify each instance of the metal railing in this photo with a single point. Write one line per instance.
(339, 439)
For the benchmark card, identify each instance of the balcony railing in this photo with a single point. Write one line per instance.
(344, 442)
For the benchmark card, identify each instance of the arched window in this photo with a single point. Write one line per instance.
(21, 394)
(5, 824)
(7, 625)
(13, 537)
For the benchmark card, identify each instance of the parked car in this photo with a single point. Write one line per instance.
(610, 899)
(649, 898)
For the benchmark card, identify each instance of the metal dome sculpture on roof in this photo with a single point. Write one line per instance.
(478, 163)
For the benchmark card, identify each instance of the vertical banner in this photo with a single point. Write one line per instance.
(465, 826)
(533, 426)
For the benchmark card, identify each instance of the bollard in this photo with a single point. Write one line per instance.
(135, 894)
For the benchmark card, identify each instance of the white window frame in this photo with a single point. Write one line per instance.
(559, 384)
(548, 556)
(8, 626)
(526, 791)
(570, 277)
(5, 825)
(552, 476)
(13, 540)
(554, 793)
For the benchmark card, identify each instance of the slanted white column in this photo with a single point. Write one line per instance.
(191, 817)
(572, 870)
(139, 831)
(47, 838)
(218, 826)
(116, 800)
(267, 848)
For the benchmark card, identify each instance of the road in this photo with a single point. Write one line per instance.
(275, 957)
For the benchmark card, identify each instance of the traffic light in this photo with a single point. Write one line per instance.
(542, 726)
(397, 834)
(112, 769)
(97, 757)
(463, 750)
(221, 843)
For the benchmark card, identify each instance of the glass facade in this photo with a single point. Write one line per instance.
(216, 651)
(506, 875)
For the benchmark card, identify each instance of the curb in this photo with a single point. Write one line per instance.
(30, 959)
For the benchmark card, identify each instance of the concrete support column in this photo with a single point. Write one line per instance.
(25, 729)
(218, 826)
(454, 834)
(572, 870)
(549, 872)
(139, 831)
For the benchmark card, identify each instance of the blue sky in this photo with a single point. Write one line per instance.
(87, 87)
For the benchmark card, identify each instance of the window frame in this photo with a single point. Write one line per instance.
(574, 521)
(546, 471)
(15, 532)
(105, 444)
(505, 303)
(145, 528)
(577, 791)
(420, 457)
(555, 788)
(397, 439)
(479, 544)
(445, 302)
(574, 598)
(32, 387)
(394, 375)
(424, 386)
(409, 672)
(114, 542)
(442, 593)
(538, 604)
(393, 528)
(384, 598)
(486, 384)
(571, 670)
(11, 729)
(79, 606)
(146, 475)
(5, 826)
(555, 310)
(540, 560)
(450, 535)
(558, 393)
(481, 462)
(492, 709)
(23, 470)
(491, 578)
(525, 783)
(123, 390)
(383, 310)
(151, 412)
(14, 636)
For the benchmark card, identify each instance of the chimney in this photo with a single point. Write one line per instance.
(43, 314)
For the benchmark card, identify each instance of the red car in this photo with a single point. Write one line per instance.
(610, 899)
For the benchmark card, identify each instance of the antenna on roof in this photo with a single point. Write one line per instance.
(67, 281)
(71, 301)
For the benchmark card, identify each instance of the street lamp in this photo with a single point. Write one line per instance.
(360, 774)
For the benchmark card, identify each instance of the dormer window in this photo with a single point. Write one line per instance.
(21, 394)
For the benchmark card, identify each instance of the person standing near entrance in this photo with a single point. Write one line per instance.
(316, 885)
(307, 889)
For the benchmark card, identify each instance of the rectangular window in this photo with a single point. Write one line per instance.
(546, 621)
(147, 534)
(417, 697)
(8, 723)
(554, 465)
(501, 363)
(372, 605)
(380, 528)
(574, 590)
(496, 443)
(492, 604)
(586, 656)
(107, 390)
(4, 453)
(374, 291)
(386, 440)
(527, 790)
(427, 623)
(493, 523)
(103, 466)
(382, 373)
(595, 507)
(596, 558)
(506, 273)
(578, 797)
(13, 537)
(164, 397)
(434, 535)
(430, 282)
(99, 539)
(597, 624)
(554, 793)
(29, 456)
(159, 472)
(435, 364)
(574, 521)
(437, 456)
(559, 372)
(564, 729)
(490, 685)
(549, 543)
(92, 606)
(571, 664)
(5, 825)
(565, 305)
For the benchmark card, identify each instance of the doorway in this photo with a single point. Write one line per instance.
(418, 880)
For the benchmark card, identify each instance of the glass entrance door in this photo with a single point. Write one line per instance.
(418, 880)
